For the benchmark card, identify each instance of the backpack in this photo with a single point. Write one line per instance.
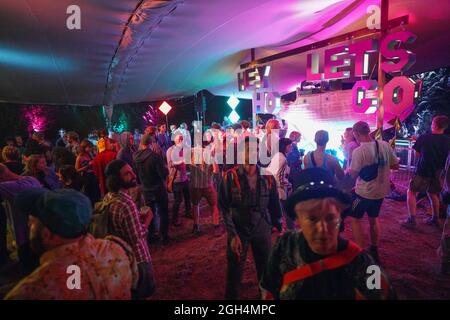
(134, 267)
(100, 225)
(267, 181)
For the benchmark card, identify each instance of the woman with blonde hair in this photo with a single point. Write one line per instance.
(10, 158)
(36, 166)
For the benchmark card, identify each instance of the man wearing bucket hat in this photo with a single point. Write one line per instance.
(73, 264)
(315, 263)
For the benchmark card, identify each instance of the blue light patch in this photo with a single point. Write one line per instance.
(33, 60)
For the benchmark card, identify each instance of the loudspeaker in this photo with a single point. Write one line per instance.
(200, 102)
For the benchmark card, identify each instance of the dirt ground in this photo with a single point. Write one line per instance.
(193, 267)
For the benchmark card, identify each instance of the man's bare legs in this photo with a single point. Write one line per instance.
(412, 205)
(358, 232)
(374, 231)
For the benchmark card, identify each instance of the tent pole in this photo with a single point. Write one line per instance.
(381, 75)
(167, 123)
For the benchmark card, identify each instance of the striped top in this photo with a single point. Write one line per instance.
(279, 168)
(201, 176)
(201, 169)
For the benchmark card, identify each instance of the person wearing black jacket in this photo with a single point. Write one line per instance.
(152, 171)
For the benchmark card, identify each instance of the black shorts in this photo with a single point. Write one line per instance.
(361, 205)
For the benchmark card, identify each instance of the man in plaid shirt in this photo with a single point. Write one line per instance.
(128, 223)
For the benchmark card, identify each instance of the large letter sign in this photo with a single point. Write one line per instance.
(257, 77)
(337, 63)
(360, 100)
(390, 50)
(312, 67)
(351, 60)
(360, 51)
(400, 94)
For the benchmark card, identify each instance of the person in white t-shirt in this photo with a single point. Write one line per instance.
(279, 168)
(272, 134)
(183, 129)
(370, 191)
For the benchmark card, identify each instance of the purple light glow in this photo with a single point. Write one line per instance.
(37, 118)
(151, 117)
(330, 111)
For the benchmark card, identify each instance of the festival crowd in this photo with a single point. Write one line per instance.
(99, 204)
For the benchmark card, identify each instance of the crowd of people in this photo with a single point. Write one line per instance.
(100, 203)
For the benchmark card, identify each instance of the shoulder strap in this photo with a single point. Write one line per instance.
(104, 203)
(269, 182)
(324, 164)
(338, 260)
(234, 175)
(378, 152)
(313, 161)
(235, 178)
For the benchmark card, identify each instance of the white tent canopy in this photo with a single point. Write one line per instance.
(131, 51)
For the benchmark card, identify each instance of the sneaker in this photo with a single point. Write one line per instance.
(176, 223)
(433, 221)
(409, 223)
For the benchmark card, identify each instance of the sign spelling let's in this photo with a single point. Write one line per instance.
(353, 60)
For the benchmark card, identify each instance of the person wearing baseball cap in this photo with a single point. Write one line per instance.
(315, 263)
(73, 264)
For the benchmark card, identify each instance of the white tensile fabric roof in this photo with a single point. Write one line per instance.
(131, 51)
